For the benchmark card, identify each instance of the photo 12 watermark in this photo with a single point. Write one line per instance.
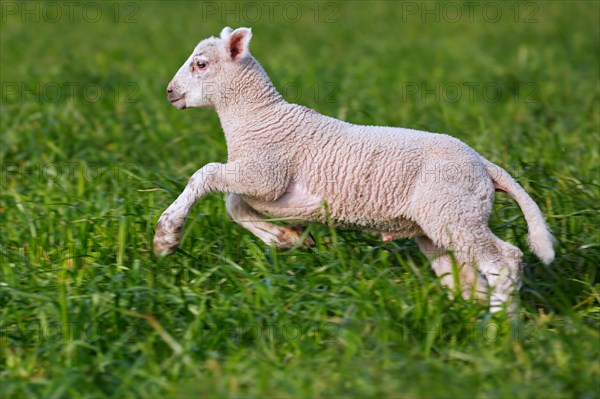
(247, 12)
(54, 332)
(526, 12)
(317, 92)
(69, 11)
(57, 92)
(330, 171)
(68, 171)
(288, 332)
(477, 331)
(454, 92)
(322, 92)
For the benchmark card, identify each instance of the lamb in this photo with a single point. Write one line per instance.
(288, 161)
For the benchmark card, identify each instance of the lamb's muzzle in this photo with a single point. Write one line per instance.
(175, 96)
(287, 161)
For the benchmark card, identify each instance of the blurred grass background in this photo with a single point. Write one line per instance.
(92, 153)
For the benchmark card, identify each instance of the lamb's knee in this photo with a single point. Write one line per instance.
(503, 263)
(502, 268)
(471, 283)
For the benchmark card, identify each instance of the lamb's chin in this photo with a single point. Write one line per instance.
(179, 104)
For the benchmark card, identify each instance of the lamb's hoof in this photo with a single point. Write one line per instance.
(387, 237)
(290, 236)
(509, 306)
(164, 243)
(164, 248)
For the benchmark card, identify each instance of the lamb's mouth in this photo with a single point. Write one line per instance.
(178, 102)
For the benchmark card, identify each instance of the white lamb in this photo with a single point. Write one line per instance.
(288, 161)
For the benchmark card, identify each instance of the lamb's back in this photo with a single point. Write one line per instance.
(363, 172)
(367, 174)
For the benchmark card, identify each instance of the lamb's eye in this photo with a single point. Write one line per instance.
(201, 64)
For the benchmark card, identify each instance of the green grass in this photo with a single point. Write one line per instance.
(85, 309)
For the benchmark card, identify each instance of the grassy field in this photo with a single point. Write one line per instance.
(92, 153)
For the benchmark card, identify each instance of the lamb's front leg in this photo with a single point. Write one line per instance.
(240, 177)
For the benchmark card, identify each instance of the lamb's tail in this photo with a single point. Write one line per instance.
(540, 238)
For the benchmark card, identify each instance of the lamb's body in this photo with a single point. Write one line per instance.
(369, 176)
(288, 161)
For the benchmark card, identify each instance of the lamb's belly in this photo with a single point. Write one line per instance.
(298, 205)
(276, 211)
(396, 227)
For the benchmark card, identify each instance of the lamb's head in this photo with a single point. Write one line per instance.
(208, 72)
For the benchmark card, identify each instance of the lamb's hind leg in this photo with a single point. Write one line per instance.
(283, 237)
(498, 261)
(471, 283)
(502, 266)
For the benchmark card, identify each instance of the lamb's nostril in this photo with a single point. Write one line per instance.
(169, 90)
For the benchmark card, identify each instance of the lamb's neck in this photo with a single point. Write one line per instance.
(249, 98)
(236, 119)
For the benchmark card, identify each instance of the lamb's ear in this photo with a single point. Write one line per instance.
(226, 32)
(237, 45)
